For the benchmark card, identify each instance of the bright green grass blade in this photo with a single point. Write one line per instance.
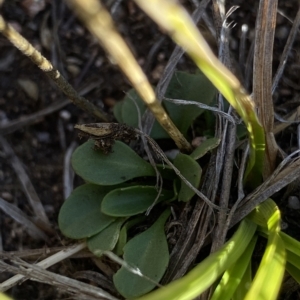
(293, 259)
(244, 286)
(210, 269)
(290, 243)
(175, 19)
(234, 275)
(293, 271)
(268, 279)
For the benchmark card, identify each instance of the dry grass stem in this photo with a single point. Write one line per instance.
(12, 126)
(262, 77)
(46, 263)
(78, 289)
(290, 119)
(148, 119)
(19, 216)
(27, 186)
(27, 49)
(68, 175)
(286, 51)
(100, 23)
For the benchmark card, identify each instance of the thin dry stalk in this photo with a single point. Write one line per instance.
(287, 172)
(78, 289)
(286, 51)
(14, 125)
(148, 118)
(27, 186)
(46, 263)
(68, 174)
(289, 119)
(262, 77)
(99, 22)
(27, 49)
(221, 230)
(19, 216)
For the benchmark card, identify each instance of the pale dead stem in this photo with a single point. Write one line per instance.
(100, 23)
(27, 186)
(36, 272)
(46, 263)
(27, 49)
(148, 118)
(262, 77)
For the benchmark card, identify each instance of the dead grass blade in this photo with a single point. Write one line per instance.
(161, 88)
(32, 118)
(68, 174)
(27, 49)
(27, 186)
(17, 214)
(100, 24)
(287, 172)
(262, 77)
(289, 119)
(78, 289)
(286, 51)
(46, 263)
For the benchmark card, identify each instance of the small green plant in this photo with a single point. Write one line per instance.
(121, 186)
(229, 268)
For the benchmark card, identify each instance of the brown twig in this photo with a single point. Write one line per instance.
(148, 118)
(100, 24)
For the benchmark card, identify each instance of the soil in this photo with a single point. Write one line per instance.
(41, 146)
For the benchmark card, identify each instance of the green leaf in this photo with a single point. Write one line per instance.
(293, 271)
(290, 243)
(268, 278)
(193, 87)
(209, 270)
(205, 146)
(123, 234)
(191, 170)
(106, 239)
(185, 86)
(293, 259)
(148, 252)
(133, 200)
(129, 110)
(117, 110)
(234, 275)
(166, 172)
(80, 216)
(109, 169)
(243, 287)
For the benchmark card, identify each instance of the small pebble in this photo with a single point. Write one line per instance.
(7, 196)
(293, 202)
(65, 115)
(73, 70)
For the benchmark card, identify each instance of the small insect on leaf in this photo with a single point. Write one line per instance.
(96, 129)
(105, 134)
